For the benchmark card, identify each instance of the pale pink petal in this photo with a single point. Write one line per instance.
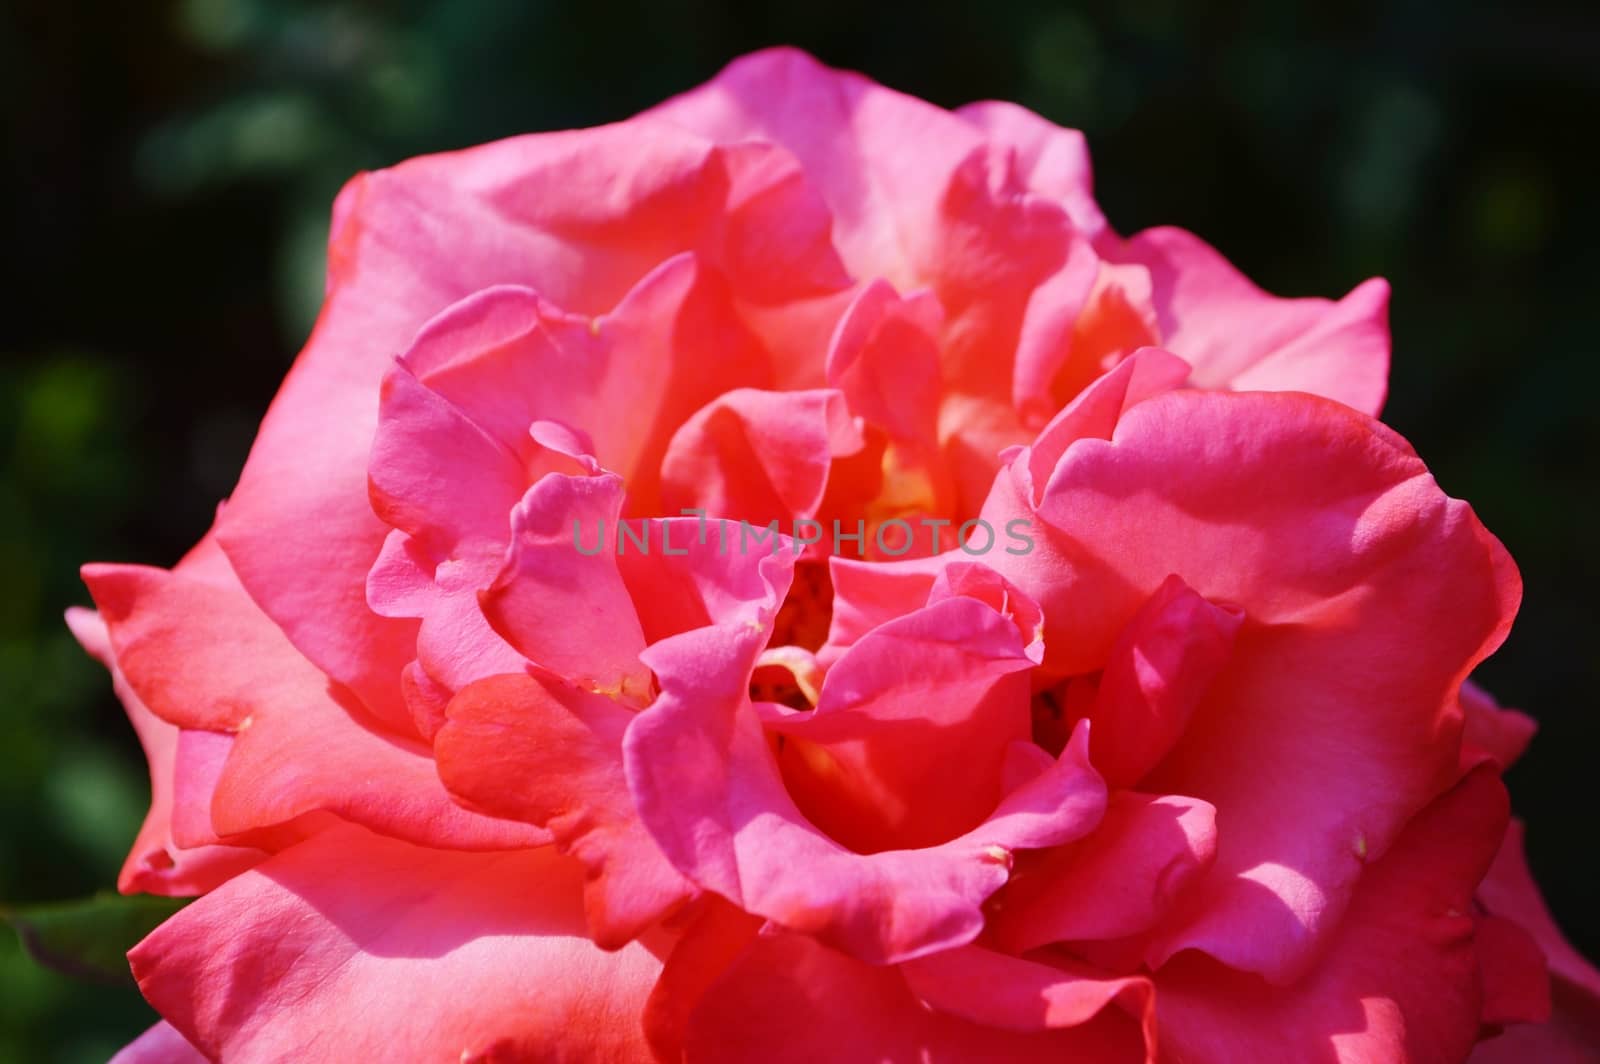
(1239, 337)
(161, 1044)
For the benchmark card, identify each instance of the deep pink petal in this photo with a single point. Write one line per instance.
(1017, 994)
(560, 599)
(1368, 596)
(1399, 980)
(1116, 882)
(1572, 1034)
(1490, 730)
(1157, 675)
(708, 788)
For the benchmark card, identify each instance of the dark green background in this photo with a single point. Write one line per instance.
(168, 170)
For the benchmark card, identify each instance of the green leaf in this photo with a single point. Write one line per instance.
(89, 938)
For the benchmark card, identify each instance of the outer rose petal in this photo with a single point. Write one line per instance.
(1492, 731)
(1054, 161)
(1239, 337)
(350, 945)
(1571, 1036)
(1399, 981)
(534, 749)
(161, 1044)
(203, 656)
(159, 863)
(789, 999)
(1368, 595)
(834, 123)
(1573, 1033)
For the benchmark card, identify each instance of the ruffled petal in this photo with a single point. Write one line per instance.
(1117, 882)
(1368, 596)
(1399, 980)
(531, 748)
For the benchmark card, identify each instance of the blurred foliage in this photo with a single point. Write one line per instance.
(169, 167)
(90, 938)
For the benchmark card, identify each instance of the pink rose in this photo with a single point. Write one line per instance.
(1100, 696)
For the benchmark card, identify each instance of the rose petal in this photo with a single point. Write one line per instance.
(533, 749)
(1399, 980)
(349, 945)
(790, 999)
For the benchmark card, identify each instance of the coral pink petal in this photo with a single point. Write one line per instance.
(349, 945)
(884, 356)
(1239, 337)
(922, 706)
(531, 748)
(205, 657)
(582, 217)
(788, 999)
(161, 860)
(757, 455)
(1399, 980)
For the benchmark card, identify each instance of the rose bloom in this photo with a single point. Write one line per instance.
(1104, 698)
